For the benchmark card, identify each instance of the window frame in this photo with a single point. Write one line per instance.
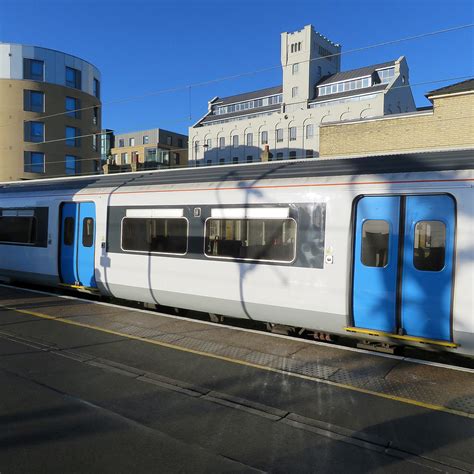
(254, 260)
(145, 252)
(35, 220)
(388, 247)
(445, 241)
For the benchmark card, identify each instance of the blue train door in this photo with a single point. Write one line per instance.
(77, 244)
(375, 263)
(403, 265)
(427, 275)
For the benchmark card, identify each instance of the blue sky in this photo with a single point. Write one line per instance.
(143, 46)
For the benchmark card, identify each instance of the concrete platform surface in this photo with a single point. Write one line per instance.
(233, 400)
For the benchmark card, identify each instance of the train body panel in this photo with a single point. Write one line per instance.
(308, 223)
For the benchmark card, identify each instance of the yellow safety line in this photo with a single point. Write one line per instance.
(374, 332)
(244, 363)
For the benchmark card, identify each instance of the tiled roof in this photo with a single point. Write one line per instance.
(464, 86)
(249, 95)
(354, 73)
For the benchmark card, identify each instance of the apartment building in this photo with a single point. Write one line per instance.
(283, 122)
(50, 113)
(146, 149)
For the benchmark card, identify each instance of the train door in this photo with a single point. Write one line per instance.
(77, 244)
(403, 265)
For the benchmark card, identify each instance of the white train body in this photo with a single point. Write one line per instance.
(298, 292)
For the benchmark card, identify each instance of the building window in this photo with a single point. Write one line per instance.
(264, 137)
(295, 68)
(169, 140)
(292, 155)
(292, 133)
(251, 239)
(95, 142)
(33, 162)
(33, 101)
(249, 139)
(33, 69)
(279, 156)
(73, 78)
(121, 143)
(145, 139)
(235, 160)
(71, 165)
(124, 158)
(72, 107)
(95, 115)
(235, 141)
(222, 142)
(180, 142)
(221, 161)
(196, 148)
(96, 87)
(386, 75)
(131, 141)
(134, 156)
(34, 132)
(249, 159)
(279, 134)
(294, 92)
(208, 144)
(72, 136)
(209, 162)
(158, 235)
(310, 130)
(309, 153)
(177, 159)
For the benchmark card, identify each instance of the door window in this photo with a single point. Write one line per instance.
(429, 246)
(375, 235)
(68, 230)
(88, 232)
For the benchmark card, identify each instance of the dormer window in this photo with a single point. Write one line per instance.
(360, 83)
(386, 75)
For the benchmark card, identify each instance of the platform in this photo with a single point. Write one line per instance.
(313, 402)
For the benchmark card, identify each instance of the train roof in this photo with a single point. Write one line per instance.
(397, 163)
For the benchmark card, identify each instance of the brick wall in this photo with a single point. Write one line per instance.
(449, 125)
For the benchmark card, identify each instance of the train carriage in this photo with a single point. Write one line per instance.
(377, 248)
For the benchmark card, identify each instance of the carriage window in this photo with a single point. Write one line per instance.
(68, 230)
(430, 245)
(375, 235)
(18, 229)
(252, 239)
(155, 235)
(88, 232)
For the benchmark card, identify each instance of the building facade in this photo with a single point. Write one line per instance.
(449, 124)
(283, 122)
(147, 149)
(50, 113)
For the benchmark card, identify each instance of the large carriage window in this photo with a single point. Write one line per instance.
(18, 229)
(68, 231)
(88, 232)
(429, 246)
(375, 235)
(254, 239)
(155, 235)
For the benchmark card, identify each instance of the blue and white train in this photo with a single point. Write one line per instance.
(377, 248)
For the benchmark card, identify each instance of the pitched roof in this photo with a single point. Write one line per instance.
(258, 110)
(464, 86)
(250, 95)
(354, 73)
